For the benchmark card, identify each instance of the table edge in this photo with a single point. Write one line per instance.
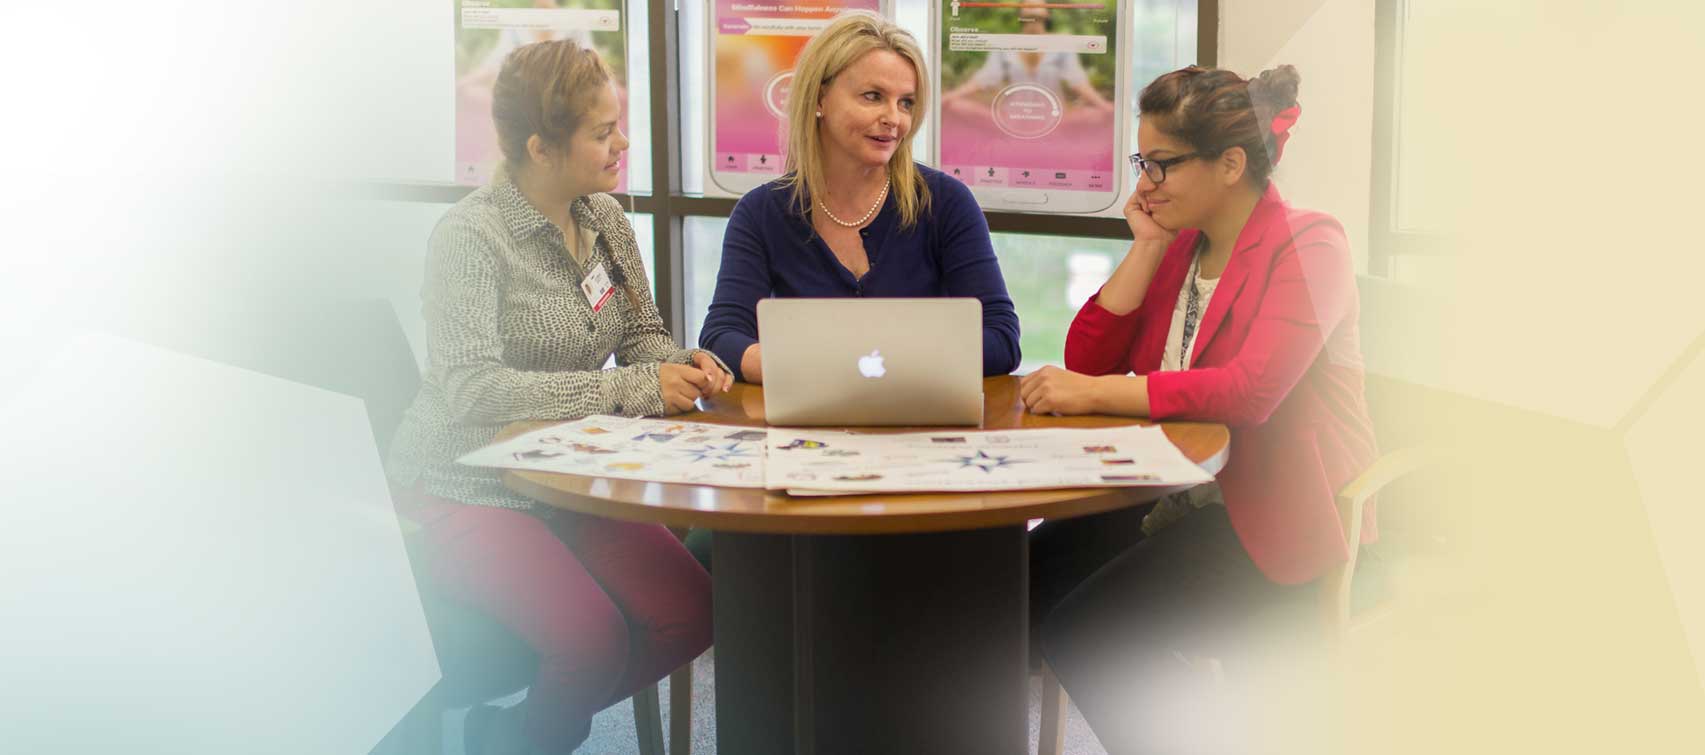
(532, 485)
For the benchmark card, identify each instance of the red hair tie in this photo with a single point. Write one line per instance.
(1281, 127)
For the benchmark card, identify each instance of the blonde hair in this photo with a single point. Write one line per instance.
(544, 88)
(829, 53)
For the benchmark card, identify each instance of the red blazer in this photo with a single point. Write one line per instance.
(1276, 358)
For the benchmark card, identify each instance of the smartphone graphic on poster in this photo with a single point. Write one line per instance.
(753, 48)
(1028, 113)
(488, 30)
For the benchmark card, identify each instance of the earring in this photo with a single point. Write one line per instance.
(819, 114)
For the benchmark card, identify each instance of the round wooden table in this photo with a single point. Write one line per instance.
(867, 623)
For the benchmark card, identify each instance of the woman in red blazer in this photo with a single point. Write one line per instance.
(1234, 307)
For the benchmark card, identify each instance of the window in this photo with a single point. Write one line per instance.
(704, 258)
(639, 103)
(644, 238)
(1049, 278)
(1410, 196)
(1051, 263)
(1162, 37)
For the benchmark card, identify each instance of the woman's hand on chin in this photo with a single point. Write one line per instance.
(1144, 228)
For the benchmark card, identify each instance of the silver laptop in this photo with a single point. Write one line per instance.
(872, 361)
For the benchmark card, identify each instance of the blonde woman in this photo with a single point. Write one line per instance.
(532, 283)
(853, 215)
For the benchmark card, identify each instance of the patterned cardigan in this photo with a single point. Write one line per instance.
(511, 337)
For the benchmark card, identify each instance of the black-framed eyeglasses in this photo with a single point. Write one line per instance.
(1156, 169)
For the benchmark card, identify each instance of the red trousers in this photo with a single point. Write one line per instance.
(610, 607)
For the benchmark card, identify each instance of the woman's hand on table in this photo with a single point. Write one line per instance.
(719, 381)
(1052, 390)
(681, 386)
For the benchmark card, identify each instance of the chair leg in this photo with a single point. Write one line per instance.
(1051, 740)
(648, 721)
(681, 710)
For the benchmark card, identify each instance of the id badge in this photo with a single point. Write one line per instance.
(597, 287)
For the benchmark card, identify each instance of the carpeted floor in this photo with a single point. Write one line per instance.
(613, 732)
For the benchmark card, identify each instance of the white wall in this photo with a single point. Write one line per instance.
(1329, 160)
(1553, 146)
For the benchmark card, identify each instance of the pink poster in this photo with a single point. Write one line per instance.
(756, 44)
(1028, 94)
(488, 30)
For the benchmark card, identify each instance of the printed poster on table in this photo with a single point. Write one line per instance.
(832, 462)
(488, 30)
(807, 462)
(652, 450)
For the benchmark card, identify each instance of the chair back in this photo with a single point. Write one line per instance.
(1336, 586)
(352, 346)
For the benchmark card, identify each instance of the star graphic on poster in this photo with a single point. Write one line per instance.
(982, 460)
(717, 453)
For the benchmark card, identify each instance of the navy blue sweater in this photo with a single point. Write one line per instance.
(770, 250)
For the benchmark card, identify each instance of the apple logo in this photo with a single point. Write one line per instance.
(870, 365)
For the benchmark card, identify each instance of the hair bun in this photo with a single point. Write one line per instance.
(1274, 89)
(1213, 110)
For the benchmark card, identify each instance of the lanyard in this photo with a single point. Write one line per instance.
(1192, 313)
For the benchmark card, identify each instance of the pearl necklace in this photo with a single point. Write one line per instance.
(860, 221)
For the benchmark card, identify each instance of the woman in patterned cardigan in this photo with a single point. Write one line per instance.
(533, 282)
